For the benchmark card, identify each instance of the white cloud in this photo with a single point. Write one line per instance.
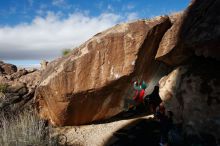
(132, 16)
(45, 37)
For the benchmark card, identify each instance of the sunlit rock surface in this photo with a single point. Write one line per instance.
(91, 83)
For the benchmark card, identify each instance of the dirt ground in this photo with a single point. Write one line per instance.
(125, 129)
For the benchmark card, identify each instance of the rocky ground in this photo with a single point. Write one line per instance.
(132, 128)
(17, 86)
(129, 130)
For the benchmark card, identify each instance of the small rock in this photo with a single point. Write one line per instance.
(16, 87)
(8, 69)
(22, 91)
(19, 73)
(43, 64)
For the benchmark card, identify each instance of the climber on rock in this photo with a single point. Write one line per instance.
(138, 98)
(139, 93)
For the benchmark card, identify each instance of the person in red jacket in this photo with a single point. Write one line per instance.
(139, 93)
(138, 98)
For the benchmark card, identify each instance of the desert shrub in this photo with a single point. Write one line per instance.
(66, 51)
(25, 129)
(3, 88)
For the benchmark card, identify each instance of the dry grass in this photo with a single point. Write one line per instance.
(24, 129)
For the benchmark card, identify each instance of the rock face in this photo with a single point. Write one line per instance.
(196, 31)
(17, 86)
(192, 89)
(169, 84)
(192, 92)
(91, 83)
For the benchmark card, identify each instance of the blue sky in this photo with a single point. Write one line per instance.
(32, 30)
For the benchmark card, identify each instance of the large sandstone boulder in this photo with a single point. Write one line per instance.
(196, 31)
(91, 83)
(192, 92)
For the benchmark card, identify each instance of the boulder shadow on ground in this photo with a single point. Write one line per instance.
(139, 132)
(141, 111)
